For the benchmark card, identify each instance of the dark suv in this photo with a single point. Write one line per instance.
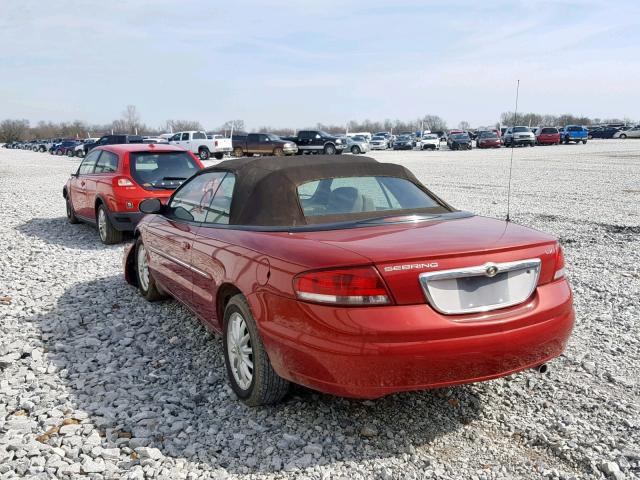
(317, 141)
(117, 139)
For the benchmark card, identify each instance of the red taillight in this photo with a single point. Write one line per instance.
(344, 286)
(559, 273)
(124, 182)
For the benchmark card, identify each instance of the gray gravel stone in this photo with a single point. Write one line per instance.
(148, 385)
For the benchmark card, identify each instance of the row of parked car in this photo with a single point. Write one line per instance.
(206, 146)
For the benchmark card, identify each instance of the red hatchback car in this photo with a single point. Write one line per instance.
(350, 277)
(111, 181)
(548, 136)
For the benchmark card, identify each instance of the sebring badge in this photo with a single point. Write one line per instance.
(491, 271)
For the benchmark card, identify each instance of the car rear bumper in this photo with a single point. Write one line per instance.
(125, 221)
(542, 139)
(370, 352)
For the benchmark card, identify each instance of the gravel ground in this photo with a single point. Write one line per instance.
(95, 382)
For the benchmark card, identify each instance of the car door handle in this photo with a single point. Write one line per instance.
(186, 245)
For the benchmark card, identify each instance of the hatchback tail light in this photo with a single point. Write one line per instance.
(124, 182)
(559, 263)
(344, 286)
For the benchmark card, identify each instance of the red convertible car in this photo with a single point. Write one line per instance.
(350, 277)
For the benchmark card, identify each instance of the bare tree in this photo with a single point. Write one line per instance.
(235, 125)
(13, 130)
(434, 123)
(129, 122)
(181, 125)
(464, 125)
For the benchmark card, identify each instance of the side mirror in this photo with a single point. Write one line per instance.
(150, 205)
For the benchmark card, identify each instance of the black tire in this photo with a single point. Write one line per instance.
(204, 154)
(71, 214)
(146, 283)
(623, 135)
(355, 150)
(265, 387)
(59, 152)
(80, 153)
(218, 156)
(69, 153)
(584, 142)
(278, 152)
(590, 137)
(108, 234)
(238, 152)
(329, 149)
(42, 149)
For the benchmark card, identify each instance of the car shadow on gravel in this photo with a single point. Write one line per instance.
(154, 373)
(58, 231)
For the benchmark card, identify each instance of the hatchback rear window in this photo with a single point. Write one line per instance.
(356, 195)
(161, 170)
(549, 130)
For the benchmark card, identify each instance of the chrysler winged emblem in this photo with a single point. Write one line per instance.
(491, 271)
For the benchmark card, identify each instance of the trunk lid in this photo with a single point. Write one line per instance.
(403, 251)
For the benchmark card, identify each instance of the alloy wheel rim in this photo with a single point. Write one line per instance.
(143, 268)
(102, 224)
(240, 351)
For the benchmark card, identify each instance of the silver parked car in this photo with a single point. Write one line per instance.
(356, 145)
(519, 136)
(379, 142)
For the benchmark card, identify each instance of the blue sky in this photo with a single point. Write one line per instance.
(293, 64)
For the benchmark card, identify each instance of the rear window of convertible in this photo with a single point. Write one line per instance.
(357, 195)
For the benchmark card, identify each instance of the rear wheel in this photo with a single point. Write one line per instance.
(584, 142)
(58, 152)
(355, 150)
(249, 369)
(204, 154)
(146, 283)
(69, 153)
(108, 234)
(329, 149)
(219, 156)
(71, 214)
(238, 152)
(623, 135)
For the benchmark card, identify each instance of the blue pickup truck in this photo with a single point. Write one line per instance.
(574, 133)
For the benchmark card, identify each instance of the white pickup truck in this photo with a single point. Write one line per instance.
(198, 143)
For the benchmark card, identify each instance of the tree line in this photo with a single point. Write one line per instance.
(130, 122)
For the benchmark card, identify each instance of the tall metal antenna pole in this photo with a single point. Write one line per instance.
(515, 121)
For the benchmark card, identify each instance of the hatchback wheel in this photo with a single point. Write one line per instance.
(71, 214)
(250, 373)
(146, 283)
(355, 150)
(108, 234)
(623, 135)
